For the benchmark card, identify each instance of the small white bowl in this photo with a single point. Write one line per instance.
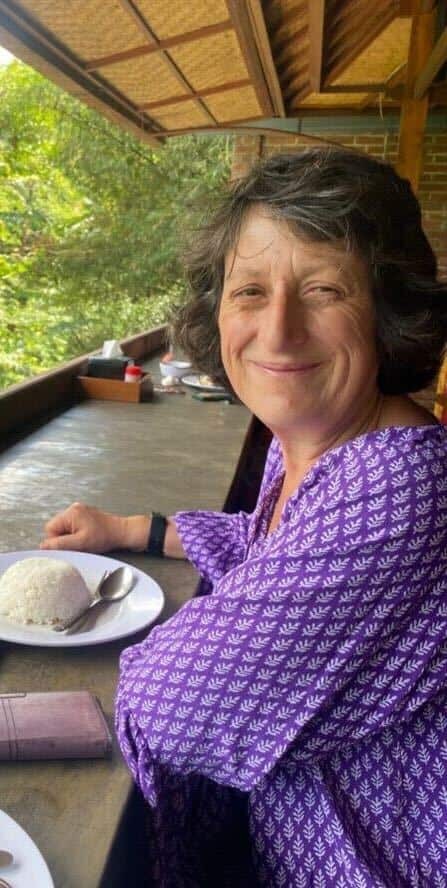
(174, 368)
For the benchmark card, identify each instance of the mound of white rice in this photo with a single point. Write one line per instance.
(43, 591)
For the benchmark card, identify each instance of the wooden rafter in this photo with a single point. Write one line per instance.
(289, 20)
(347, 11)
(23, 33)
(158, 46)
(202, 93)
(414, 111)
(357, 25)
(316, 14)
(240, 17)
(294, 79)
(239, 128)
(347, 51)
(146, 29)
(293, 44)
(262, 40)
(434, 62)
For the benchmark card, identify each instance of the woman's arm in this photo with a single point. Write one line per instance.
(85, 528)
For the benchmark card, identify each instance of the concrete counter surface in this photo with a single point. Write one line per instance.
(172, 453)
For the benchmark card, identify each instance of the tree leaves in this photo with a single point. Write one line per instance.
(91, 222)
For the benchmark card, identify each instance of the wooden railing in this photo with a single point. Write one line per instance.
(30, 401)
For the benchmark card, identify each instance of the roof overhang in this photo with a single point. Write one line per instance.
(160, 69)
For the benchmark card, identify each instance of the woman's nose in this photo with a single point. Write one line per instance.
(284, 323)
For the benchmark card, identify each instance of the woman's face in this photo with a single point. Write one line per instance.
(296, 324)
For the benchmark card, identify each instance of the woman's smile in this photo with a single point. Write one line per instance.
(284, 369)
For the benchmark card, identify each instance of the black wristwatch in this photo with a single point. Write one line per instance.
(156, 541)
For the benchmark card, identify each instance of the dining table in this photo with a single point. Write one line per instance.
(170, 453)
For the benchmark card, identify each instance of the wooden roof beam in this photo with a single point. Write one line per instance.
(145, 28)
(434, 62)
(348, 51)
(32, 43)
(289, 19)
(414, 111)
(316, 14)
(347, 30)
(282, 47)
(202, 93)
(158, 46)
(343, 11)
(248, 22)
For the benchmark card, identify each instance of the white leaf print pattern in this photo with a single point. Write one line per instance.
(307, 693)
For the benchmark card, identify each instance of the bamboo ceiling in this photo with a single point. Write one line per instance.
(162, 68)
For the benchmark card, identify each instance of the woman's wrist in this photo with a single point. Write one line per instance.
(135, 532)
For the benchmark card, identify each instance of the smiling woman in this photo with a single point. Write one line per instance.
(315, 298)
(272, 724)
(360, 207)
(297, 330)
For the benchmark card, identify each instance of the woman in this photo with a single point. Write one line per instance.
(289, 728)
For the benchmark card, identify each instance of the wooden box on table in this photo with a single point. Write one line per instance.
(116, 389)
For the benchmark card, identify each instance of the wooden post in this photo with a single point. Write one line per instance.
(316, 13)
(436, 60)
(414, 111)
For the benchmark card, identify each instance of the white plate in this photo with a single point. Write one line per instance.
(193, 380)
(107, 622)
(29, 867)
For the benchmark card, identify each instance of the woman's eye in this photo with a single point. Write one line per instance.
(323, 292)
(248, 291)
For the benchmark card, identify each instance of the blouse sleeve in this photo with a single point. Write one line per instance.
(336, 631)
(216, 542)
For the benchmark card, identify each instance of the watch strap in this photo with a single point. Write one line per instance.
(157, 533)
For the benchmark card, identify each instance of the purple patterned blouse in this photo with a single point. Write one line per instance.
(290, 728)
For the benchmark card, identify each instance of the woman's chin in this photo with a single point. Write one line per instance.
(285, 417)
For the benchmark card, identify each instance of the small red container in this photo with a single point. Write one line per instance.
(133, 373)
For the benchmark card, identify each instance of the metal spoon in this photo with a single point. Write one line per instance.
(4, 883)
(6, 858)
(113, 587)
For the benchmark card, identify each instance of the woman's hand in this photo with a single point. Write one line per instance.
(86, 529)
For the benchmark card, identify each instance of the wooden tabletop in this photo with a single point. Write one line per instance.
(170, 454)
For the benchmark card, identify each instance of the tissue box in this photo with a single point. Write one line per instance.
(107, 368)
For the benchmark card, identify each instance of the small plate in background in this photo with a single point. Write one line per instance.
(193, 380)
(29, 869)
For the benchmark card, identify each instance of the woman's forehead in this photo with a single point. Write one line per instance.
(263, 237)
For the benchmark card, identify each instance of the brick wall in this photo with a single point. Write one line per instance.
(433, 186)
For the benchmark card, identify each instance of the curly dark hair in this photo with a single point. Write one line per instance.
(331, 195)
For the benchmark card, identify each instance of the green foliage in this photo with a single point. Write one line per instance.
(91, 221)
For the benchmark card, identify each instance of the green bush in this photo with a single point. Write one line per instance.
(91, 222)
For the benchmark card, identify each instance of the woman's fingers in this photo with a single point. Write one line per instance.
(66, 541)
(67, 530)
(58, 524)
(84, 528)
